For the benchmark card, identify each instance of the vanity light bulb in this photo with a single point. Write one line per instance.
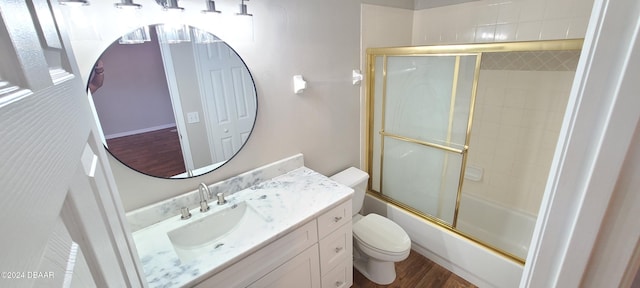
(74, 3)
(243, 9)
(127, 4)
(172, 5)
(211, 7)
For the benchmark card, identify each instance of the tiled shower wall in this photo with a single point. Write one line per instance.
(519, 110)
(516, 124)
(502, 21)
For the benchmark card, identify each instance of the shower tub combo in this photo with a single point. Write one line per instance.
(460, 139)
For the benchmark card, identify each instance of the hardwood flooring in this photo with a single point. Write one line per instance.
(156, 153)
(416, 272)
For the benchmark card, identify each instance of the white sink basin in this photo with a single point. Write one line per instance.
(213, 231)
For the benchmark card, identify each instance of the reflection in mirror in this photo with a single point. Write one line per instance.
(173, 109)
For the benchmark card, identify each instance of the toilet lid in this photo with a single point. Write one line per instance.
(381, 234)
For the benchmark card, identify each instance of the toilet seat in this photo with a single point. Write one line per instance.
(381, 235)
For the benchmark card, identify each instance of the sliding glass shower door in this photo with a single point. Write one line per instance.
(422, 106)
(420, 154)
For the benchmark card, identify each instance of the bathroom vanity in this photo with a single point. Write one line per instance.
(293, 230)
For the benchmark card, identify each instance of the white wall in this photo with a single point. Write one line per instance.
(126, 104)
(317, 39)
(614, 247)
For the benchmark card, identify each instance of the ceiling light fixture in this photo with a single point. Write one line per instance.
(74, 2)
(243, 9)
(127, 4)
(211, 7)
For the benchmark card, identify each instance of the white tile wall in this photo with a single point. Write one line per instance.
(499, 21)
(515, 129)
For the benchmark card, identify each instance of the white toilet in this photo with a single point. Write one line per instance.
(377, 241)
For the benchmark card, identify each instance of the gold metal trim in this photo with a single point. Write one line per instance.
(369, 93)
(445, 164)
(474, 92)
(382, 116)
(444, 225)
(570, 44)
(454, 91)
(423, 143)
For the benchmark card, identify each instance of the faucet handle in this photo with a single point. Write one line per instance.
(185, 213)
(221, 199)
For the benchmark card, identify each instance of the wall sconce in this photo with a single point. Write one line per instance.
(169, 5)
(211, 7)
(243, 9)
(127, 4)
(74, 2)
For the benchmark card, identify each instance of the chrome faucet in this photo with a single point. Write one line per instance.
(204, 195)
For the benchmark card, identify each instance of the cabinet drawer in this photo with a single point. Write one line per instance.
(336, 248)
(333, 219)
(340, 277)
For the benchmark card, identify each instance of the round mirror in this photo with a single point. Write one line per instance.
(172, 101)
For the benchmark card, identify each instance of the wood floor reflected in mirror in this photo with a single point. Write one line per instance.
(416, 271)
(156, 153)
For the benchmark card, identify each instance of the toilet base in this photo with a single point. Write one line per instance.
(382, 273)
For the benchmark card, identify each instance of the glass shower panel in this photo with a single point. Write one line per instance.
(418, 97)
(428, 97)
(421, 177)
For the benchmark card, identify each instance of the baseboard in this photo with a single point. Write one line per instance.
(144, 130)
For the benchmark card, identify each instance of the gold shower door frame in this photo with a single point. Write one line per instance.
(431, 51)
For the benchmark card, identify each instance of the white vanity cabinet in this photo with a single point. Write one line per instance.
(317, 254)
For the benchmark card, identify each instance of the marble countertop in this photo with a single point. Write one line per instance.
(286, 202)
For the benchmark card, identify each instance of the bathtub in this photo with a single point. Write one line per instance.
(475, 263)
(496, 225)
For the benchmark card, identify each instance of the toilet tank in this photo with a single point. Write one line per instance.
(357, 180)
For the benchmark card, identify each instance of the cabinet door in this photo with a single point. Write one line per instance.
(301, 271)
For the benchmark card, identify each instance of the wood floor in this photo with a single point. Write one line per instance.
(416, 272)
(155, 153)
